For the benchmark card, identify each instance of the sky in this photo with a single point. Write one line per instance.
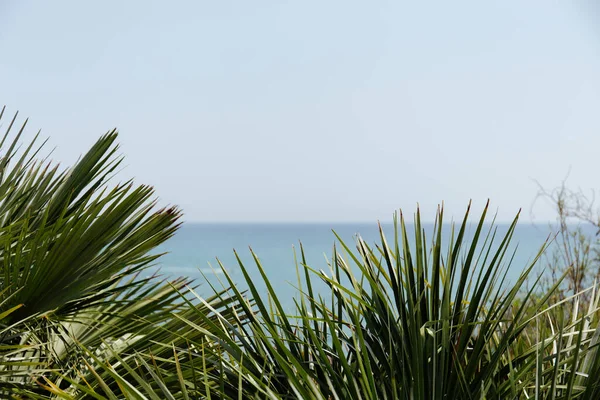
(280, 111)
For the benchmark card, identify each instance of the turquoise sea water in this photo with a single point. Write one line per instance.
(195, 247)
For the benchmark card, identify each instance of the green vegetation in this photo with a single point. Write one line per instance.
(409, 317)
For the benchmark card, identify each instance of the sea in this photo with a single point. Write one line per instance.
(199, 251)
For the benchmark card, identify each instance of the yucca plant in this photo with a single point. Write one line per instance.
(417, 317)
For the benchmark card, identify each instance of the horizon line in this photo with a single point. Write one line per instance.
(345, 222)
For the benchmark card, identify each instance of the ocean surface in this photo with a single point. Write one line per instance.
(195, 248)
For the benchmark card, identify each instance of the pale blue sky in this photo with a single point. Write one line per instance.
(316, 110)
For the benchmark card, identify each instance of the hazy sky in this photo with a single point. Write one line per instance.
(316, 110)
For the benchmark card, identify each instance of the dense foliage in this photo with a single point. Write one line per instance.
(412, 316)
